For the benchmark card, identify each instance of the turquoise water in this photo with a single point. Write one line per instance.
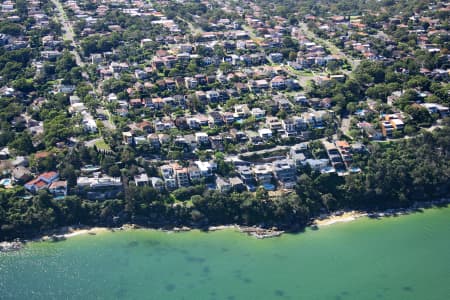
(395, 258)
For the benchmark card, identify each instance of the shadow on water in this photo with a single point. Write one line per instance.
(121, 293)
(184, 251)
(279, 256)
(133, 244)
(246, 280)
(152, 243)
(170, 287)
(206, 269)
(194, 259)
(279, 293)
(407, 288)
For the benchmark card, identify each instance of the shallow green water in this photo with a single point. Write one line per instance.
(396, 258)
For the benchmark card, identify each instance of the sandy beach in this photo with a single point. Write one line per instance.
(345, 217)
(76, 232)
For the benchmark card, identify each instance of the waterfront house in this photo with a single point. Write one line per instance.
(99, 186)
(42, 181)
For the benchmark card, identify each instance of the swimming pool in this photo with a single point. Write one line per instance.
(6, 182)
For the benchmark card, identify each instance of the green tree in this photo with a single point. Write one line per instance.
(22, 144)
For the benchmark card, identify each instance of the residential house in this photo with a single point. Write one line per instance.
(223, 184)
(212, 96)
(202, 138)
(181, 175)
(276, 57)
(258, 113)
(190, 82)
(215, 119)
(333, 155)
(194, 173)
(207, 168)
(128, 137)
(168, 176)
(42, 181)
(141, 179)
(290, 127)
(369, 131)
(317, 164)
(157, 183)
(434, 108)
(274, 123)
(58, 188)
(99, 187)
(285, 172)
(246, 174)
(265, 133)
(241, 111)
(263, 173)
(278, 83)
(21, 174)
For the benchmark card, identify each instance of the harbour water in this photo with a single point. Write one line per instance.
(405, 257)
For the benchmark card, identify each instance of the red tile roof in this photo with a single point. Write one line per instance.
(48, 175)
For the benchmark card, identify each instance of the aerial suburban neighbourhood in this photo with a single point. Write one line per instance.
(232, 150)
(213, 112)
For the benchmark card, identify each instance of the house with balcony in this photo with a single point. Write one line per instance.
(202, 138)
(194, 173)
(289, 126)
(258, 113)
(246, 174)
(168, 175)
(285, 172)
(223, 184)
(207, 168)
(181, 175)
(274, 123)
(99, 186)
(263, 173)
(333, 155)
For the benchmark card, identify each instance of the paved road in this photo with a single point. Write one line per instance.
(69, 34)
(262, 152)
(332, 47)
(345, 126)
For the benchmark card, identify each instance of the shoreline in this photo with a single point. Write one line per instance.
(254, 231)
(353, 215)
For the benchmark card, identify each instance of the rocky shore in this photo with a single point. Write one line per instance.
(11, 246)
(261, 233)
